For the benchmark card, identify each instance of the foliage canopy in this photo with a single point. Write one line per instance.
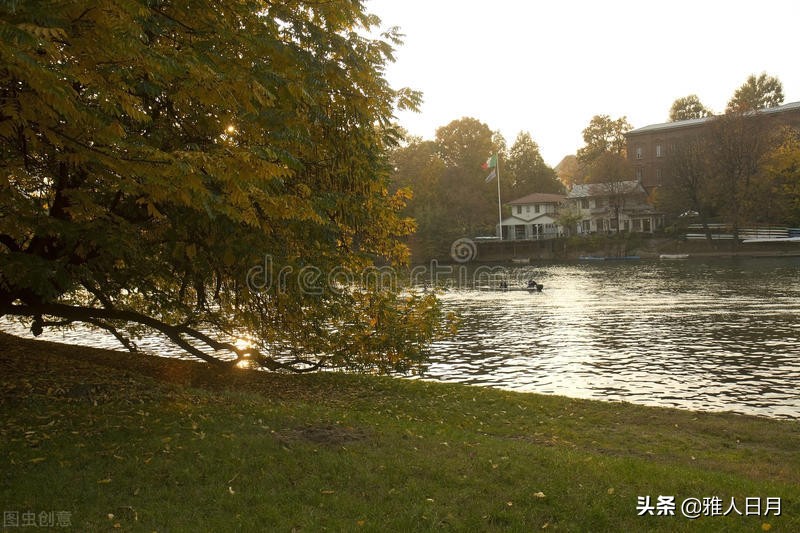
(201, 168)
(756, 93)
(687, 108)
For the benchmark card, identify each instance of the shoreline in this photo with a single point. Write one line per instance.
(645, 247)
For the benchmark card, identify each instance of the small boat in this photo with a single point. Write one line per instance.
(609, 258)
(533, 288)
(673, 256)
(772, 240)
(521, 260)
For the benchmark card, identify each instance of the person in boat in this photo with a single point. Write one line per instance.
(532, 285)
(504, 284)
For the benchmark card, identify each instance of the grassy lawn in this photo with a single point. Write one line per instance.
(108, 441)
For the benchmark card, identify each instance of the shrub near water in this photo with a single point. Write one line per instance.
(152, 445)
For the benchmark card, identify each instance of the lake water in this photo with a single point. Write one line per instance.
(698, 334)
(708, 335)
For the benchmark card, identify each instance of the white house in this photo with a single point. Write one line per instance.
(613, 206)
(533, 217)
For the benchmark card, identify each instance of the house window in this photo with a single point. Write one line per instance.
(536, 208)
(658, 151)
(639, 173)
(639, 152)
(584, 203)
(519, 209)
(658, 176)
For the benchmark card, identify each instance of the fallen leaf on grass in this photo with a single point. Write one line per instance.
(539, 495)
(104, 481)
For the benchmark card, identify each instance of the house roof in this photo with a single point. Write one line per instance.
(546, 218)
(699, 121)
(538, 198)
(586, 190)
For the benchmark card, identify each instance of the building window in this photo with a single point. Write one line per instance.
(638, 152)
(519, 209)
(536, 207)
(639, 173)
(658, 176)
(658, 151)
(584, 203)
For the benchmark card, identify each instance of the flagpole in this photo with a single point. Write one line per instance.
(499, 205)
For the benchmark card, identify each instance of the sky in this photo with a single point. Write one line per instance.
(548, 67)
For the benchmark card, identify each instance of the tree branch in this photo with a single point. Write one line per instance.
(99, 317)
(125, 341)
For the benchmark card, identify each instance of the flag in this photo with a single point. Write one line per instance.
(490, 163)
(491, 176)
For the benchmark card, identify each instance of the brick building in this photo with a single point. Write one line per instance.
(648, 146)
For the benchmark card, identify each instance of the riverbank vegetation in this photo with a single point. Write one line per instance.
(137, 443)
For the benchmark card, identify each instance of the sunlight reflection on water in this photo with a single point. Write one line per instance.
(713, 335)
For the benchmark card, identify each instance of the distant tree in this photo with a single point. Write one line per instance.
(609, 167)
(196, 169)
(526, 170)
(568, 218)
(737, 146)
(469, 201)
(465, 143)
(602, 136)
(567, 171)
(756, 93)
(782, 170)
(686, 108)
(418, 167)
(687, 193)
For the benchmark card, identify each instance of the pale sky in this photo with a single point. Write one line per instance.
(549, 67)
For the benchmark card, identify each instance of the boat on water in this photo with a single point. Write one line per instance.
(608, 258)
(530, 288)
(673, 256)
(521, 260)
(772, 240)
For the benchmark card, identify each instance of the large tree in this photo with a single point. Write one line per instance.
(208, 170)
(756, 93)
(688, 107)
